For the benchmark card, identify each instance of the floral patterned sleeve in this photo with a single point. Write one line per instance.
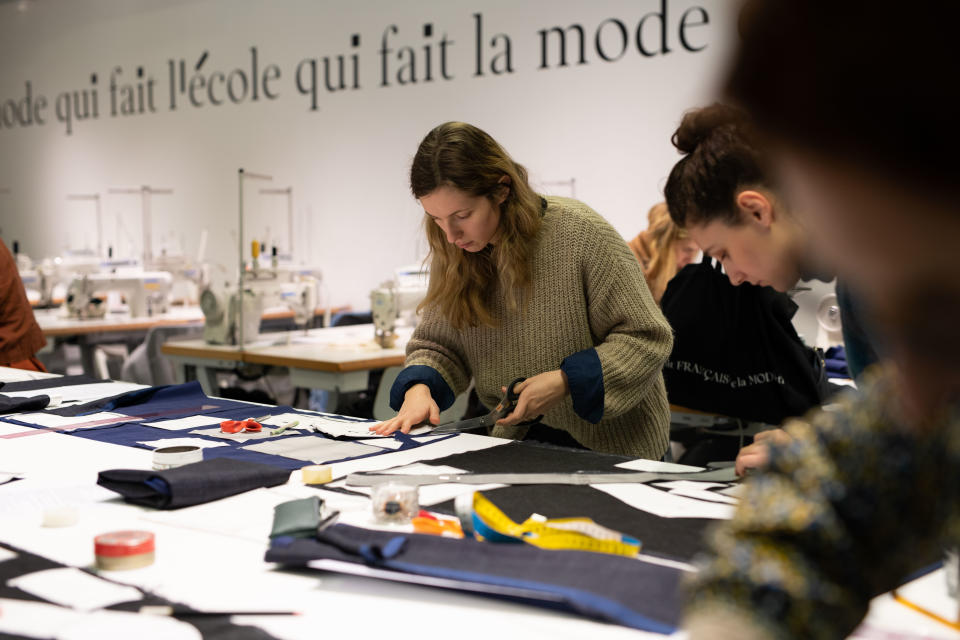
(847, 510)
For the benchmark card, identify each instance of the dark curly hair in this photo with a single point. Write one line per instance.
(721, 157)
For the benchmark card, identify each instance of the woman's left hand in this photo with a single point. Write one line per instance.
(537, 395)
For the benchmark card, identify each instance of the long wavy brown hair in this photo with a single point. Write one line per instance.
(661, 238)
(462, 284)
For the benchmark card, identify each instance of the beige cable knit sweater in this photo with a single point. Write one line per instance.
(588, 292)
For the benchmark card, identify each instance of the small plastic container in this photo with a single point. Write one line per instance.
(176, 456)
(395, 503)
(122, 550)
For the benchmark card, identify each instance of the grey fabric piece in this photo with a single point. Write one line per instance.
(314, 449)
(578, 478)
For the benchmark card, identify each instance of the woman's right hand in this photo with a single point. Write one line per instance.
(756, 455)
(418, 407)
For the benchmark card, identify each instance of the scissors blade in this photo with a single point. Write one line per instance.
(466, 425)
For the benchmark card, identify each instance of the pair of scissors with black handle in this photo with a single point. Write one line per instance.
(507, 404)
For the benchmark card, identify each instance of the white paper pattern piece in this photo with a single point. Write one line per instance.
(655, 466)
(461, 443)
(80, 392)
(340, 428)
(34, 619)
(8, 374)
(124, 624)
(70, 423)
(44, 620)
(246, 515)
(71, 587)
(665, 505)
(244, 436)
(383, 443)
(23, 499)
(286, 418)
(182, 442)
(694, 489)
(313, 449)
(190, 422)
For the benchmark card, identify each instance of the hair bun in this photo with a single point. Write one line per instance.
(700, 124)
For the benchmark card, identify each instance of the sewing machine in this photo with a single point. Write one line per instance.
(146, 293)
(817, 319)
(394, 303)
(46, 282)
(189, 276)
(263, 289)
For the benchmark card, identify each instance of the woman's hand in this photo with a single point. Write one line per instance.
(757, 454)
(418, 407)
(537, 395)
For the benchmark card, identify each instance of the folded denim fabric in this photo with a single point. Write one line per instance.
(191, 484)
(15, 404)
(625, 591)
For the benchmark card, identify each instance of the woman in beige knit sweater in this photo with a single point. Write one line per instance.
(533, 287)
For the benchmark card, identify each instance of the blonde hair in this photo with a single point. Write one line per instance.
(461, 156)
(660, 241)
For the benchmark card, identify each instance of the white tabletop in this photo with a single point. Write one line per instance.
(211, 556)
(56, 322)
(335, 348)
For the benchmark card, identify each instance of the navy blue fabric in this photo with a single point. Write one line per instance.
(410, 442)
(190, 484)
(600, 586)
(16, 404)
(835, 361)
(585, 376)
(421, 374)
(169, 401)
(48, 383)
(158, 484)
(176, 401)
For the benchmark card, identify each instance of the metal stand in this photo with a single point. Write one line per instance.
(146, 223)
(288, 191)
(241, 175)
(95, 197)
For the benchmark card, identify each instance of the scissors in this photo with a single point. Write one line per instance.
(236, 426)
(507, 404)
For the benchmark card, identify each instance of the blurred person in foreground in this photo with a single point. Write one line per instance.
(864, 134)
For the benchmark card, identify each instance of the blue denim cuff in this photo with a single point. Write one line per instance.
(585, 376)
(421, 374)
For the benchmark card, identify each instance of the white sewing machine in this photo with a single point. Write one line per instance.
(817, 320)
(146, 293)
(46, 282)
(263, 289)
(394, 303)
(189, 276)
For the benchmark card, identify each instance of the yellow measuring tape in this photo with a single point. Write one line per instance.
(485, 521)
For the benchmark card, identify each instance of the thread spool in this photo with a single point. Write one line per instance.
(316, 474)
(172, 457)
(122, 550)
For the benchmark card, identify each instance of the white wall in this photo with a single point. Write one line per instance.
(607, 124)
